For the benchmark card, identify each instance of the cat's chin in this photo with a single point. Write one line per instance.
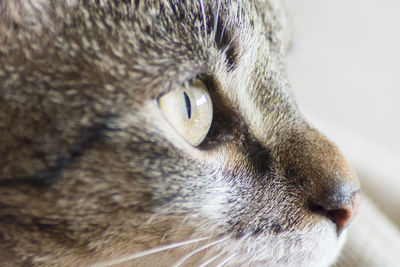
(318, 246)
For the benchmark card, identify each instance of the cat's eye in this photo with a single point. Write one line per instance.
(189, 110)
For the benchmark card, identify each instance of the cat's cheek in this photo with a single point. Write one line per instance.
(214, 201)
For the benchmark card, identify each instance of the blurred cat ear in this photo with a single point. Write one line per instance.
(189, 110)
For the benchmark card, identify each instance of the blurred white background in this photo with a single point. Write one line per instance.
(344, 68)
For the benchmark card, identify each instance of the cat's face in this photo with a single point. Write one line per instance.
(162, 133)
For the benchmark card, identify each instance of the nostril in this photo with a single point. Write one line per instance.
(342, 217)
(343, 213)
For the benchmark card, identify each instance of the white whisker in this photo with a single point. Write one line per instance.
(182, 260)
(204, 18)
(240, 11)
(216, 17)
(226, 47)
(151, 219)
(223, 31)
(146, 252)
(222, 263)
(204, 264)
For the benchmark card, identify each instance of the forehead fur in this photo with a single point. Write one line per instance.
(180, 36)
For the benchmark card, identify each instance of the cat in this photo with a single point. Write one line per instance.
(161, 133)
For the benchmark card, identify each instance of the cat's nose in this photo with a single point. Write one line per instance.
(339, 203)
(333, 188)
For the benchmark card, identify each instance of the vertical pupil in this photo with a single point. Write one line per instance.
(188, 107)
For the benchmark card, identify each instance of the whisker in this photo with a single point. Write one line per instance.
(204, 18)
(225, 261)
(182, 260)
(216, 17)
(240, 11)
(204, 264)
(151, 219)
(223, 31)
(147, 252)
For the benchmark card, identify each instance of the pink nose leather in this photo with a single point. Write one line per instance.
(345, 214)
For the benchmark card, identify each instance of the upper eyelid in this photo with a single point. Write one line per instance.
(185, 84)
